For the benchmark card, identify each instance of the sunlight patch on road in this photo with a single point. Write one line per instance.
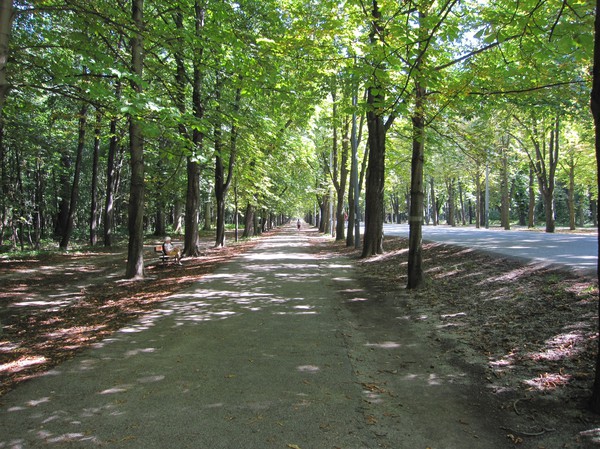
(278, 256)
(312, 369)
(384, 345)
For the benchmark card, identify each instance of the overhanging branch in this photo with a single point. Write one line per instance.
(528, 89)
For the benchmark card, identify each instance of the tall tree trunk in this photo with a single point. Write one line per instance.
(135, 252)
(324, 213)
(571, 194)
(415, 219)
(192, 205)
(62, 216)
(109, 204)
(339, 167)
(544, 164)
(451, 218)
(547, 185)
(531, 209)
(374, 187)
(222, 180)
(595, 106)
(373, 238)
(6, 20)
(505, 191)
(477, 199)
(38, 218)
(248, 222)
(208, 210)
(434, 209)
(159, 219)
(351, 206)
(593, 209)
(4, 183)
(461, 197)
(74, 197)
(94, 192)
(111, 177)
(7, 12)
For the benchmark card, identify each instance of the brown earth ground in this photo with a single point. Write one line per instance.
(528, 332)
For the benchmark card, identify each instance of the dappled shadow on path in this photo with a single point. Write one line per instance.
(244, 344)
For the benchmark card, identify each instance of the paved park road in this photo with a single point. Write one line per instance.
(577, 251)
(258, 355)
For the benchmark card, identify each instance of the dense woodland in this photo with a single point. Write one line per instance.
(121, 119)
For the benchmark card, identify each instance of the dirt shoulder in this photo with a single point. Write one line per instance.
(526, 335)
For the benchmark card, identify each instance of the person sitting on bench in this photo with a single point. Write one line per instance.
(172, 251)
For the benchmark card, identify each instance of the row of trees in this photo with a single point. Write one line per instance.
(126, 114)
(131, 114)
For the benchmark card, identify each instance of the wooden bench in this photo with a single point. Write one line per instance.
(161, 254)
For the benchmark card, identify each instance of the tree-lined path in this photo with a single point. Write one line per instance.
(270, 351)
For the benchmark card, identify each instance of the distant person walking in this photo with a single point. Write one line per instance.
(298, 224)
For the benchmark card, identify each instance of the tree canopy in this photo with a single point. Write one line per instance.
(267, 99)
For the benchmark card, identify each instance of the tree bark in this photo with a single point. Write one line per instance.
(74, 197)
(341, 180)
(415, 219)
(504, 189)
(94, 190)
(374, 187)
(111, 177)
(531, 209)
(571, 193)
(135, 251)
(248, 222)
(547, 183)
(461, 198)
(222, 180)
(7, 12)
(192, 202)
(451, 217)
(434, 209)
(62, 215)
(477, 199)
(595, 106)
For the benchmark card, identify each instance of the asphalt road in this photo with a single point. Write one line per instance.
(578, 251)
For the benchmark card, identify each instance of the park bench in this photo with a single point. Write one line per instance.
(161, 254)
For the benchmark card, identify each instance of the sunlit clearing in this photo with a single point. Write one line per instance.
(22, 364)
